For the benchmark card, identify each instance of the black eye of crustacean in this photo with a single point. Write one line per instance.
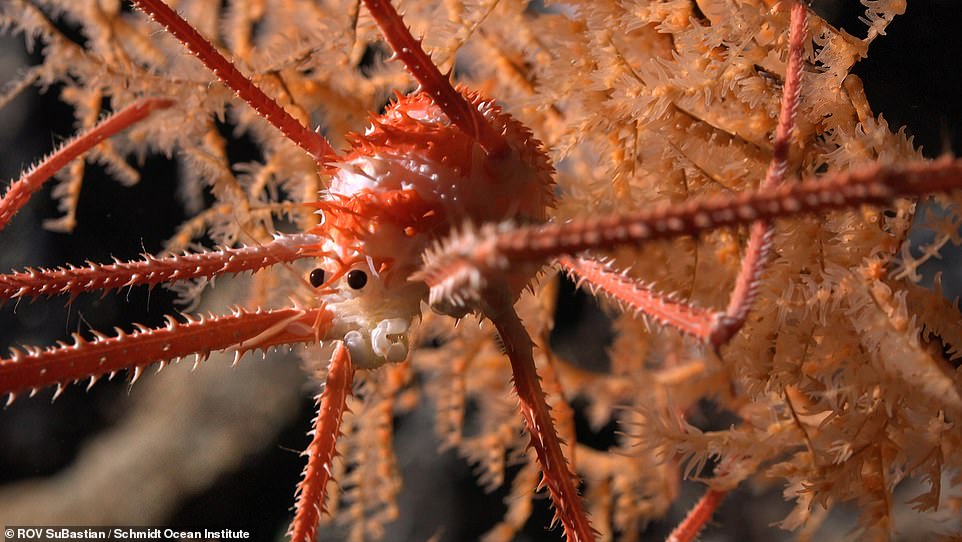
(356, 279)
(317, 277)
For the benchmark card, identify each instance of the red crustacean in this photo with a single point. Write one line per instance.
(444, 200)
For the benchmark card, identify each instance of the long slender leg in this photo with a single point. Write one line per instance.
(151, 271)
(410, 52)
(320, 453)
(20, 191)
(458, 268)
(90, 359)
(310, 141)
(760, 238)
(697, 517)
(725, 325)
(561, 482)
(639, 298)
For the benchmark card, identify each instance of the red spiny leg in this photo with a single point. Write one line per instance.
(310, 141)
(456, 268)
(639, 298)
(20, 191)
(410, 52)
(90, 359)
(760, 236)
(725, 325)
(151, 270)
(311, 491)
(561, 482)
(696, 519)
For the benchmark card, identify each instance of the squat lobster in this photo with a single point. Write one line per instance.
(429, 163)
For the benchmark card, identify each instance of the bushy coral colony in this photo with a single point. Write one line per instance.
(410, 254)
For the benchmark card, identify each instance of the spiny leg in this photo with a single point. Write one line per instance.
(760, 237)
(556, 475)
(717, 328)
(20, 191)
(242, 331)
(726, 325)
(419, 64)
(152, 270)
(310, 141)
(457, 267)
(639, 298)
(697, 517)
(311, 490)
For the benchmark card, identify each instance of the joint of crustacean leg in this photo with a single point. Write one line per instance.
(458, 269)
(723, 328)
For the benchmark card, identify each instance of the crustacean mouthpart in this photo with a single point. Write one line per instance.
(387, 342)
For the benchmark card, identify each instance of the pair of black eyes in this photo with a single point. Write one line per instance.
(356, 278)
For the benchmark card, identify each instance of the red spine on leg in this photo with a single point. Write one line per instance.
(311, 491)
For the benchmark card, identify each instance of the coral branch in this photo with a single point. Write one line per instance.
(561, 482)
(320, 453)
(410, 52)
(199, 335)
(715, 328)
(310, 141)
(151, 270)
(20, 191)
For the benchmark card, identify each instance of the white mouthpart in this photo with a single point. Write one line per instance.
(387, 343)
(393, 349)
